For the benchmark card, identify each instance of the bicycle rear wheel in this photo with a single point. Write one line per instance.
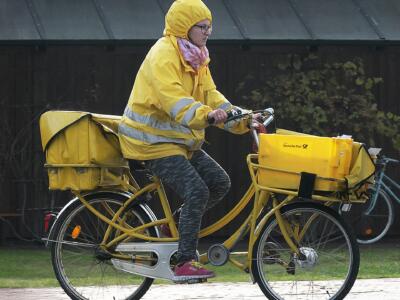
(370, 224)
(83, 269)
(329, 256)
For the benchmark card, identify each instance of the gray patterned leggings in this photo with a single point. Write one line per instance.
(201, 183)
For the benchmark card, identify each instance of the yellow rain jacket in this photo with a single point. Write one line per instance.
(167, 110)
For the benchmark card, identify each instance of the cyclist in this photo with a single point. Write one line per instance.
(172, 101)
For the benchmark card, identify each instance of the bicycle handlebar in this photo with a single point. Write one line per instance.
(212, 120)
(385, 160)
(236, 114)
(266, 115)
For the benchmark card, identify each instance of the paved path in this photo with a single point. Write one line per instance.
(366, 289)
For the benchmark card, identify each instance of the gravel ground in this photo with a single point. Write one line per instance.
(364, 289)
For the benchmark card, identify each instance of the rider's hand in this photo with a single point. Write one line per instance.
(218, 115)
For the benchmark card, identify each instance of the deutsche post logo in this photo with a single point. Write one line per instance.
(297, 146)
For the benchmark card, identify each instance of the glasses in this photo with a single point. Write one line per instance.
(204, 28)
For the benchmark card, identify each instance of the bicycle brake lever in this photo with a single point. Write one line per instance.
(268, 121)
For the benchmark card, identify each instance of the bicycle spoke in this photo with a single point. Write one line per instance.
(324, 266)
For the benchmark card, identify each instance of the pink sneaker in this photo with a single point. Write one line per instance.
(191, 270)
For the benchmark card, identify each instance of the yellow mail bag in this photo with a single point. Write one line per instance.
(285, 157)
(82, 150)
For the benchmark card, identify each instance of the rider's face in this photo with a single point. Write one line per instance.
(200, 32)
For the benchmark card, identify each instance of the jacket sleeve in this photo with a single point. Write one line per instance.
(215, 99)
(166, 77)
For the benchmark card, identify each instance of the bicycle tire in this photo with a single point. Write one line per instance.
(87, 273)
(373, 227)
(331, 259)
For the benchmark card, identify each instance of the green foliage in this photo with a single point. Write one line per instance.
(322, 98)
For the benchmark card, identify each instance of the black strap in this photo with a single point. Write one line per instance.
(306, 187)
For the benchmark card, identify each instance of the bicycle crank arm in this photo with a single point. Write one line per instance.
(161, 269)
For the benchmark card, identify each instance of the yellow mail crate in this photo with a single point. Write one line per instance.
(286, 156)
(82, 151)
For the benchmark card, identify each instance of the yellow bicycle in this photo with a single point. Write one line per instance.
(106, 242)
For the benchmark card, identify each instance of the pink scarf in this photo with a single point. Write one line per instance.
(194, 55)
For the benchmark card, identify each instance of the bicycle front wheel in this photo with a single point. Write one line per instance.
(371, 222)
(82, 267)
(326, 266)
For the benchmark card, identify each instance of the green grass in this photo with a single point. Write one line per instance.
(32, 267)
(26, 268)
(380, 261)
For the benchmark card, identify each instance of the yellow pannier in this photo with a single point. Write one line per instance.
(338, 163)
(82, 150)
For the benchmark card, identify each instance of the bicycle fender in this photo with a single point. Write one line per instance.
(144, 206)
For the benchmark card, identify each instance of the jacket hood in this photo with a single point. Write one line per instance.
(183, 14)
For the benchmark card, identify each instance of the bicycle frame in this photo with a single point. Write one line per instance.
(262, 196)
(387, 188)
(126, 232)
(384, 182)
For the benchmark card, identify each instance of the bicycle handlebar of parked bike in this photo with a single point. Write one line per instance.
(385, 160)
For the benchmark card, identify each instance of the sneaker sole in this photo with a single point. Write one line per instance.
(192, 281)
(188, 279)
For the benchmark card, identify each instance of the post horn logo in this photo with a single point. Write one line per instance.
(304, 146)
